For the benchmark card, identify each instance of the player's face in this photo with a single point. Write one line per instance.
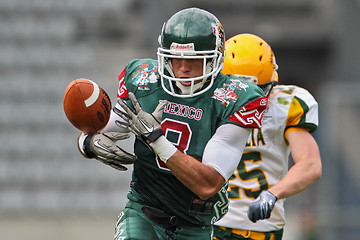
(187, 68)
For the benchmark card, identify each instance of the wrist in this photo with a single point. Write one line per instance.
(273, 196)
(163, 148)
(84, 141)
(152, 137)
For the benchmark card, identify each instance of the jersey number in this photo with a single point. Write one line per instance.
(245, 175)
(178, 133)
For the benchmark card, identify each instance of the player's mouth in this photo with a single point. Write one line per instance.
(186, 83)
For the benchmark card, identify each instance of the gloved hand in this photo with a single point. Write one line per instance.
(103, 148)
(143, 124)
(262, 206)
(146, 125)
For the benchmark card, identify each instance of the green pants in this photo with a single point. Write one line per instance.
(133, 224)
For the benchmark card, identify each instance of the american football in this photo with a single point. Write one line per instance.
(86, 105)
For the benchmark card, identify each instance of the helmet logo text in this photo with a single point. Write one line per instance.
(176, 47)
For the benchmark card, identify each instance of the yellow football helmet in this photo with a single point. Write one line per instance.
(249, 55)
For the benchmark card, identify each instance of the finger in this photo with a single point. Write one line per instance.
(160, 107)
(124, 115)
(118, 157)
(116, 166)
(129, 113)
(159, 110)
(115, 136)
(267, 212)
(119, 154)
(124, 159)
(135, 102)
(131, 127)
(120, 167)
(124, 156)
(251, 217)
(122, 124)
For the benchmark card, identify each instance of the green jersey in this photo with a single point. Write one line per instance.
(188, 123)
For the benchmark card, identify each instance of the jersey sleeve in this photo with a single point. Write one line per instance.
(303, 112)
(239, 102)
(122, 91)
(251, 115)
(139, 77)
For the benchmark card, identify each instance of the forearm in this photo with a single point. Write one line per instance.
(300, 177)
(201, 179)
(219, 161)
(307, 168)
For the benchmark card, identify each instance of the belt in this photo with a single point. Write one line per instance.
(166, 219)
(254, 234)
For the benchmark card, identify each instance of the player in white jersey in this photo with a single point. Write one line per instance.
(259, 186)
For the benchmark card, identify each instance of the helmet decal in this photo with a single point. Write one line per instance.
(181, 47)
(219, 32)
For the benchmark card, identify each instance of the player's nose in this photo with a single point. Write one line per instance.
(185, 65)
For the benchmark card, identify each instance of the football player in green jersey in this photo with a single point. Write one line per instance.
(261, 182)
(191, 124)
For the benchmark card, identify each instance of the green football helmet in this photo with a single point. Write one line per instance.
(191, 33)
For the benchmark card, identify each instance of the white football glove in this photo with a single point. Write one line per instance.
(103, 148)
(143, 124)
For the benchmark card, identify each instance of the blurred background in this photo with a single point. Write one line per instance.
(49, 191)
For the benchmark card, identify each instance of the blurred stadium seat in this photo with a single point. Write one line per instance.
(45, 44)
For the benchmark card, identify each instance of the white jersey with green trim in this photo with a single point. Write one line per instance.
(265, 159)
